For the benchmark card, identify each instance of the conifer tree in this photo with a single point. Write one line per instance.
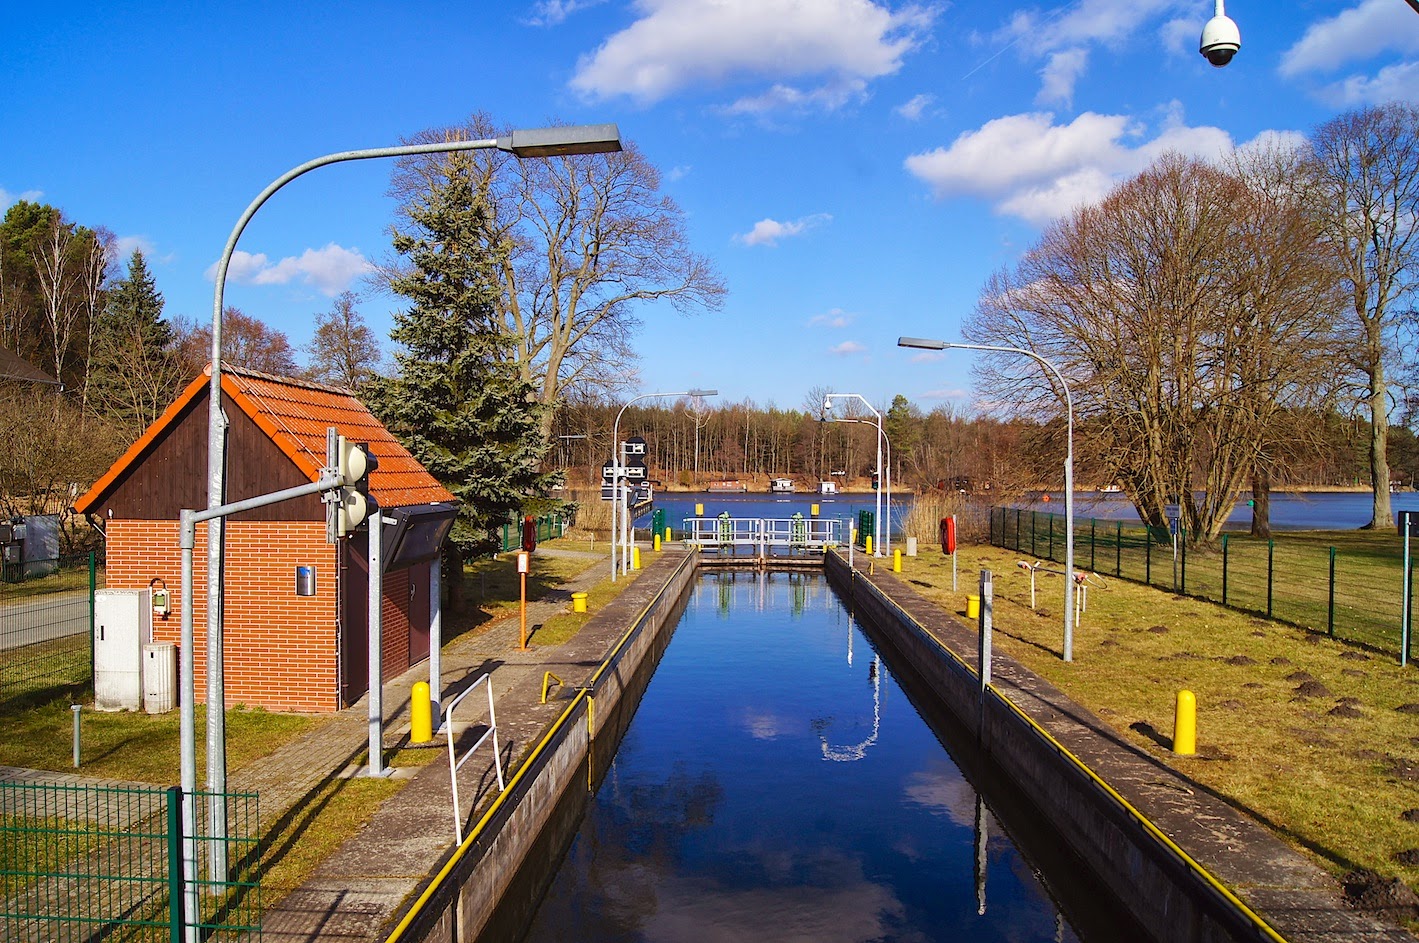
(133, 373)
(454, 401)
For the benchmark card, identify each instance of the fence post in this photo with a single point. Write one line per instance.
(175, 888)
(1270, 569)
(1224, 569)
(93, 588)
(1330, 602)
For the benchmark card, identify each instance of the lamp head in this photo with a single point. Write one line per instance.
(703, 393)
(562, 141)
(924, 343)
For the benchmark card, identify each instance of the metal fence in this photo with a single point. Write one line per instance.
(1355, 596)
(46, 626)
(101, 862)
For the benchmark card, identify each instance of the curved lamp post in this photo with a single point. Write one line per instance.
(887, 481)
(926, 344)
(543, 142)
(617, 488)
(877, 503)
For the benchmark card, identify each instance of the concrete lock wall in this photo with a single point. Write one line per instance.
(1170, 899)
(497, 849)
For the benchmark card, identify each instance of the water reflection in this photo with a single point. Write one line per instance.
(756, 797)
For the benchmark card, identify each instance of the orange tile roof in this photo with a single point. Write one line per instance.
(294, 414)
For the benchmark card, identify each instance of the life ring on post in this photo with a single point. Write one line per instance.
(948, 535)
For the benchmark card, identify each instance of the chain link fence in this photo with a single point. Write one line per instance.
(46, 627)
(1356, 595)
(83, 862)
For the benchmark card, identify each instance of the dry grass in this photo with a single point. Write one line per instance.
(1329, 759)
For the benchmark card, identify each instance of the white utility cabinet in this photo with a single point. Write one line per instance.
(123, 624)
(159, 677)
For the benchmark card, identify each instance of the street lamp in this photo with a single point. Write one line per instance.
(541, 142)
(617, 489)
(926, 344)
(887, 481)
(877, 503)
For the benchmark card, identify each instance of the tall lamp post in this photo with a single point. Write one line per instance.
(887, 480)
(927, 344)
(877, 503)
(618, 488)
(542, 142)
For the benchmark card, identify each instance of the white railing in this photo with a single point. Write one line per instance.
(806, 533)
(455, 764)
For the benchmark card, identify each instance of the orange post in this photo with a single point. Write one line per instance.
(522, 565)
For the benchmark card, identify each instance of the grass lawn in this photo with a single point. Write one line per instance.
(1316, 738)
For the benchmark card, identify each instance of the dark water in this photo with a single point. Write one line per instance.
(777, 784)
(1308, 510)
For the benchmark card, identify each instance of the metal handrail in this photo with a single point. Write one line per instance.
(455, 764)
(804, 532)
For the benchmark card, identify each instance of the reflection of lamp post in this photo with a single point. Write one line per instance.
(877, 502)
(886, 481)
(926, 344)
(617, 488)
(544, 142)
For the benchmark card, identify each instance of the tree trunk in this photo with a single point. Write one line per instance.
(1261, 499)
(1382, 517)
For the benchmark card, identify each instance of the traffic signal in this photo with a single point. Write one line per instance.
(356, 462)
(875, 482)
(529, 533)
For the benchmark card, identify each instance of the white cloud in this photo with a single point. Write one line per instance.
(331, 269)
(836, 318)
(847, 349)
(1058, 76)
(677, 173)
(916, 107)
(124, 246)
(1355, 35)
(1399, 82)
(7, 198)
(1180, 36)
(553, 12)
(677, 44)
(767, 232)
(787, 98)
(1038, 170)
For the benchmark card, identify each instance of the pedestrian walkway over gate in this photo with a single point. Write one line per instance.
(764, 537)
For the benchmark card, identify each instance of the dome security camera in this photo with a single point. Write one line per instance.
(1220, 39)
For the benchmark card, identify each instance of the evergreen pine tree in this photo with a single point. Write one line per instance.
(133, 374)
(454, 401)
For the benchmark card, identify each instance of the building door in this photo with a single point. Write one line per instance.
(354, 622)
(419, 575)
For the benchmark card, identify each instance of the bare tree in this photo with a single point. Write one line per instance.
(1366, 163)
(1183, 312)
(343, 350)
(246, 342)
(59, 281)
(580, 243)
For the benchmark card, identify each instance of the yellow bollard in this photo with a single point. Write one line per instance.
(578, 602)
(669, 535)
(635, 558)
(656, 542)
(699, 510)
(896, 561)
(1185, 725)
(421, 713)
(813, 510)
(867, 546)
(972, 606)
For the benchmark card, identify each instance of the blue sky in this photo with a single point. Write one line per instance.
(855, 169)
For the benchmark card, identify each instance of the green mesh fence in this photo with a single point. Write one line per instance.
(46, 627)
(548, 526)
(1355, 596)
(84, 862)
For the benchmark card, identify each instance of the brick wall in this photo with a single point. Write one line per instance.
(281, 649)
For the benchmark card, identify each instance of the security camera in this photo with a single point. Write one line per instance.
(1220, 39)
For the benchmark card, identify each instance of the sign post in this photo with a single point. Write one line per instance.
(523, 560)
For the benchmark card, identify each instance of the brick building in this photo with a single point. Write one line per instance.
(283, 651)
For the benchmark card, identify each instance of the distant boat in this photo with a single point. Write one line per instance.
(722, 486)
(827, 487)
(1110, 489)
(781, 486)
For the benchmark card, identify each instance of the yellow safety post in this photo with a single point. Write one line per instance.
(972, 606)
(699, 510)
(1185, 725)
(669, 536)
(578, 602)
(635, 558)
(896, 561)
(547, 680)
(812, 510)
(421, 713)
(656, 543)
(867, 543)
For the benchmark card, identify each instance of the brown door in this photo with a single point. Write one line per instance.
(354, 623)
(418, 612)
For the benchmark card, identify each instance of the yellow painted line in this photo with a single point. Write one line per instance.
(1256, 919)
(397, 933)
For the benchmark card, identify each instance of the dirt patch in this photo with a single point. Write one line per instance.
(1354, 656)
(1230, 705)
(1370, 891)
(1253, 684)
(1181, 656)
(1345, 710)
(1258, 622)
(1108, 643)
(1312, 688)
(1354, 673)
(1299, 676)
(1410, 815)
(1409, 857)
(1281, 660)
(1311, 639)
(1408, 708)
(1370, 756)
(1402, 767)
(1258, 634)
(1158, 629)
(1240, 661)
